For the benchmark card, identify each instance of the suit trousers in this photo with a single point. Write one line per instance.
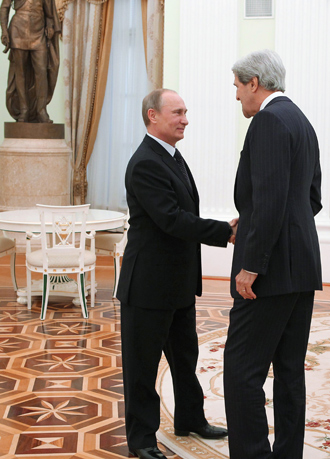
(145, 334)
(39, 64)
(264, 331)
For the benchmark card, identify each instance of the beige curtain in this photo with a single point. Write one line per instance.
(87, 27)
(86, 32)
(103, 64)
(153, 33)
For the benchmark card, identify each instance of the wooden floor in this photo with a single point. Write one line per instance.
(61, 392)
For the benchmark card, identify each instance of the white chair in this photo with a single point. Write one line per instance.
(62, 254)
(8, 247)
(112, 244)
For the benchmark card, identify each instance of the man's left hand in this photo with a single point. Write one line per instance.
(244, 281)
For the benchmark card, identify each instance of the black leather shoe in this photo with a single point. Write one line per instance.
(148, 453)
(207, 431)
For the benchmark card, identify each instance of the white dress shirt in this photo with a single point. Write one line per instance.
(270, 97)
(167, 146)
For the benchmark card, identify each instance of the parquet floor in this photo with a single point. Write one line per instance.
(61, 391)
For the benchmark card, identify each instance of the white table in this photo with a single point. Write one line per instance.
(28, 220)
(23, 220)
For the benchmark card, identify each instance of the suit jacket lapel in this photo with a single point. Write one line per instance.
(170, 162)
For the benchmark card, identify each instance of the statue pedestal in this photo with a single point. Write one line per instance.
(35, 166)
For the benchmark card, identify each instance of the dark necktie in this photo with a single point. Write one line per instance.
(179, 159)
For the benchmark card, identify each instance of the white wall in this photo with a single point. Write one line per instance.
(208, 47)
(303, 40)
(4, 115)
(171, 45)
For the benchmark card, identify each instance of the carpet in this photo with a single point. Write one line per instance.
(210, 370)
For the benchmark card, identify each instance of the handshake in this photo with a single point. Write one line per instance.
(234, 224)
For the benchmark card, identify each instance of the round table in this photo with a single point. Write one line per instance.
(23, 220)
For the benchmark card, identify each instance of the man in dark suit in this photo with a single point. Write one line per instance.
(160, 276)
(276, 264)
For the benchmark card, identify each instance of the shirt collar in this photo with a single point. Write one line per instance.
(272, 96)
(167, 146)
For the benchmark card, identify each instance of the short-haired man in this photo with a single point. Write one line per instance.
(276, 264)
(160, 276)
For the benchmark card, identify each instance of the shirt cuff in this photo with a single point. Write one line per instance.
(250, 272)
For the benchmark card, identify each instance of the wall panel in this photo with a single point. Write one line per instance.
(208, 49)
(303, 42)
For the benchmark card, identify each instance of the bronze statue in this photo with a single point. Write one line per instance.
(32, 37)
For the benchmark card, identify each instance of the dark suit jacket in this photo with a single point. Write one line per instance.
(277, 194)
(162, 261)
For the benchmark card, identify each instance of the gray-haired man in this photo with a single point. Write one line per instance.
(276, 265)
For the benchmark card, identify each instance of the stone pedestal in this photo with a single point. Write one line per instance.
(35, 166)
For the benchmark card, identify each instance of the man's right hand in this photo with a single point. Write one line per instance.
(233, 223)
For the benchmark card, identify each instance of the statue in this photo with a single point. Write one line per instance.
(32, 37)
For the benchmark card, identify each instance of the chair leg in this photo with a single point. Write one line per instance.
(92, 274)
(117, 271)
(12, 270)
(45, 295)
(81, 290)
(28, 288)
